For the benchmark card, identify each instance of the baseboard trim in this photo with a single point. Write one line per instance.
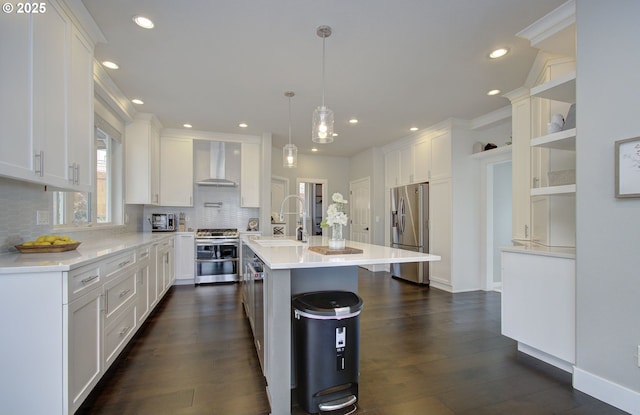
(616, 395)
(440, 285)
(546, 357)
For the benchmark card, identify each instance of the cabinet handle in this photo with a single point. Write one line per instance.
(89, 279)
(146, 254)
(124, 331)
(122, 264)
(72, 174)
(526, 231)
(125, 292)
(76, 173)
(39, 157)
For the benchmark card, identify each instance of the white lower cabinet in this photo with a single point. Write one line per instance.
(184, 258)
(80, 321)
(538, 305)
(85, 345)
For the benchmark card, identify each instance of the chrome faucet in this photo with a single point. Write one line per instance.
(302, 213)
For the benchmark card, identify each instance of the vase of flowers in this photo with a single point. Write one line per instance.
(336, 219)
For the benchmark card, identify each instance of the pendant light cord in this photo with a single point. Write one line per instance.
(289, 121)
(323, 65)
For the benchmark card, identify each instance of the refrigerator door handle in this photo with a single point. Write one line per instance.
(401, 208)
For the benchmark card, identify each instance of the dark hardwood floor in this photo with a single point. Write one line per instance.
(422, 352)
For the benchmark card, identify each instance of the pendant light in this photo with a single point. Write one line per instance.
(322, 117)
(289, 151)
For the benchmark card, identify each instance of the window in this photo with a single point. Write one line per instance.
(100, 207)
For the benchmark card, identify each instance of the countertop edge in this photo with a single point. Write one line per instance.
(534, 249)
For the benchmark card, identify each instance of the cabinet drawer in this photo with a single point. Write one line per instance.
(117, 333)
(81, 280)
(143, 254)
(119, 263)
(119, 292)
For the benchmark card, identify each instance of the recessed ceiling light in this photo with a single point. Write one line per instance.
(493, 92)
(413, 129)
(243, 125)
(498, 53)
(110, 65)
(353, 121)
(137, 101)
(187, 125)
(143, 22)
(314, 149)
(335, 134)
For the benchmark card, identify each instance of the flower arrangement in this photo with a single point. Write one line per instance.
(336, 218)
(335, 212)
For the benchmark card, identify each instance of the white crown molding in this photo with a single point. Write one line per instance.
(551, 24)
(106, 89)
(83, 20)
(210, 135)
(491, 119)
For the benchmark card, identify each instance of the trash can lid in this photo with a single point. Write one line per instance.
(328, 303)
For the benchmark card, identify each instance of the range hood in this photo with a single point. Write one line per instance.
(216, 167)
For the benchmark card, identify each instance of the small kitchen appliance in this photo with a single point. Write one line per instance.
(163, 222)
(216, 255)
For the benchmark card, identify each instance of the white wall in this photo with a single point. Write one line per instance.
(608, 260)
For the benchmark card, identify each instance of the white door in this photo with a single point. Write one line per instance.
(360, 210)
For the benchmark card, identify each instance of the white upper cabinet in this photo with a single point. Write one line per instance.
(80, 147)
(46, 109)
(176, 171)
(392, 168)
(441, 155)
(142, 160)
(421, 160)
(250, 175)
(16, 158)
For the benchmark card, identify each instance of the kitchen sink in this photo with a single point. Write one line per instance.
(277, 242)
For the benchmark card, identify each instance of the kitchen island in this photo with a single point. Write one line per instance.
(291, 268)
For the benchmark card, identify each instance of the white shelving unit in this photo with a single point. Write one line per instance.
(553, 190)
(562, 140)
(562, 88)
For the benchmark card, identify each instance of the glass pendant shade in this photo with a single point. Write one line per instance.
(290, 155)
(322, 125)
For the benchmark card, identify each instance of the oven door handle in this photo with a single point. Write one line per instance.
(218, 260)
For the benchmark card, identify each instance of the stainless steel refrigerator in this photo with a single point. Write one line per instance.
(410, 229)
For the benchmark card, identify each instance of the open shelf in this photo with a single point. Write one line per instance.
(562, 89)
(562, 140)
(554, 190)
(492, 152)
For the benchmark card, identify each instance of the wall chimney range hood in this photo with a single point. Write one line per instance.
(217, 167)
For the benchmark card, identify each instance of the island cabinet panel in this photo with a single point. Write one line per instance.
(538, 305)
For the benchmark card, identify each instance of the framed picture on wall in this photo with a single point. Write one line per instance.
(628, 167)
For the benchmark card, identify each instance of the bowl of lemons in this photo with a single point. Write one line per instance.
(48, 243)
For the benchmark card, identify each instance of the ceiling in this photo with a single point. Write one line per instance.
(391, 64)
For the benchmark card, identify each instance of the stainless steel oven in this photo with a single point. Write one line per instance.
(216, 255)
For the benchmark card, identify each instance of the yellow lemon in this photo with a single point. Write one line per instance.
(43, 243)
(29, 243)
(65, 238)
(41, 238)
(50, 238)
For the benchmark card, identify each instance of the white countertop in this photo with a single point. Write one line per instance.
(289, 257)
(14, 263)
(537, 249)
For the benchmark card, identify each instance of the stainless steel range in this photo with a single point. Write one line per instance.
(216, 254)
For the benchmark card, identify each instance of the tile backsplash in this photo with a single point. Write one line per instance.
(19, 206)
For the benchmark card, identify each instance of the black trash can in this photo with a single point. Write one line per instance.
(326, 329)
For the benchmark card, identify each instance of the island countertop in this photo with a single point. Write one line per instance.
(292, 254)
